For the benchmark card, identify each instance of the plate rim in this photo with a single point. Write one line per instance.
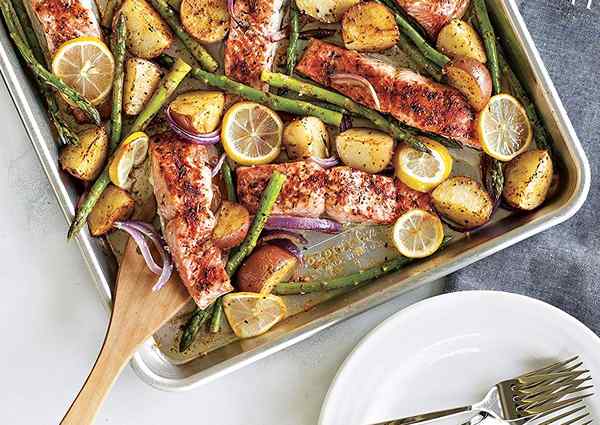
(444, 297)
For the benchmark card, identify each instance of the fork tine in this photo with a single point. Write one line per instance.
(552, 386)
(562, 416)
(536, 379)
(555, 389)
(558, 404)
(543, 399)
(572, 421)
(534, 387)
(550, 367)
(557, 409)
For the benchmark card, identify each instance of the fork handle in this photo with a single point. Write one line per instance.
(426, 417)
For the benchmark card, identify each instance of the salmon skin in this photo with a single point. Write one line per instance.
(182, 183)
(408, 96)
(432, 15)
(250, 47)
(341, 193)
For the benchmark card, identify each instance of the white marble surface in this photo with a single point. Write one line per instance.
(53, 323)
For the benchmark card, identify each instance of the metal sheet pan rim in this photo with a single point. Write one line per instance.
(15, 82)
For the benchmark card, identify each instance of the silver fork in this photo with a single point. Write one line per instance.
(578, 408)
(542, 391)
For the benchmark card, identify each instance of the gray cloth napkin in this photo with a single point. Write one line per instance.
(562, 265)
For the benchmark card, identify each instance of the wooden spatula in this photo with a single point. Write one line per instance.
(137, 314)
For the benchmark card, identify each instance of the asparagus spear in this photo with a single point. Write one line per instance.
(62, 128)
(349, 281)
(423, 64)
(217, 317)
(269, 196)
(489, 40)
(109, 12)
(278, 103)
(306, 88)
(174, 4)
(407, 29)
(167, 86)
(192, 327)
(119, 51)
(292, 50)
(228, 178)
(196, 49)
(43, 75)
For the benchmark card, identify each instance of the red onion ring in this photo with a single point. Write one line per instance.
(332, 161)
(323, 225)
(139, 231)
(218, 166)
(352, 79)
(290, 247)
(200, 139)
(269, 235)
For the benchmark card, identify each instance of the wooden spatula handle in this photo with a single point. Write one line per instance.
(108, 366)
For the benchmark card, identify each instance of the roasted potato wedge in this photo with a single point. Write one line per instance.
(85, 161)
(266, 267)
(114, 204)
(472, 79)
(463, 201)
(458, 38)
(306, 137)
(142, 77)
(233, 222)
(369, 27)
(205, 20)
(327, 11)
(198, 111)
(527, 179)
(147, 34)
(365, 149)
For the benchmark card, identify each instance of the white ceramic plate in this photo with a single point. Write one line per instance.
(447, 351)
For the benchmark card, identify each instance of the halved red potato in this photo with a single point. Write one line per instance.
(266, 267)
(472, 79)
(233, 222)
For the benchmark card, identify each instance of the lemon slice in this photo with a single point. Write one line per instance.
(503, 127)
(251, 133)
(250, 314)
(422, 171)
(418, 233)
(87, 65)
(130, 154)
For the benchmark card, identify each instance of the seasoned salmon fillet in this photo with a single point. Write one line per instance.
(182, 183)
(250, 47)
(355, 196)
(302, 195)
(432, 15)
(58, 21)
(408, 96)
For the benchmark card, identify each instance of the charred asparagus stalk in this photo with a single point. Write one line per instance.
(292, 50)
(65, 133)
(278, 103)
(42, 74)
(423, 64)
(193, 326)
(199, 53)
(167, 86)
(217, 317)
(119, 52)
(228, 178)
(308, 89)
(489, 40)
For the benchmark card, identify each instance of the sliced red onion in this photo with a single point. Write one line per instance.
(219, 164)
(269, 235)
(353, 79)
(290, 247)
(332, 161)
(200, 139)
(324, 225)
(139, 231)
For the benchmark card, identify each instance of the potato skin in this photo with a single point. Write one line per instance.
(462, 200)
(264, 268)
(85, 161)
(205, 20)
(328, 11)
(114, 204)
(142, 78)
(233, 222)
(306, 137)
(458, 38)
(472, 79)
(369, 27)
(527, 179)
(198, 111)
(147, 34)
(365, 149)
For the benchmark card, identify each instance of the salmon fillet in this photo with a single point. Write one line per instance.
(249, 49)
(302, 195)
(408, 96)
(432, 15)
(182, 183)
